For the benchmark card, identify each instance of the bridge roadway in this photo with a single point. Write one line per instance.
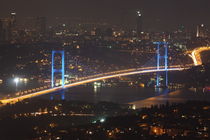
(196, 54)
(90, 79)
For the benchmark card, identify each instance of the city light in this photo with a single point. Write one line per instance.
(13, 14)
(16, 80)
(139, 13)
(133, 107)
(20, 80)
(102, 120)
(105, 70)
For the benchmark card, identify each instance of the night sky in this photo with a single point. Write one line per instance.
(158, 14)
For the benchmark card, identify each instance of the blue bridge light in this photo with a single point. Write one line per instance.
(62, 70)
(159, 58)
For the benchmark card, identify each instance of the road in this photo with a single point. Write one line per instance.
(196, 54)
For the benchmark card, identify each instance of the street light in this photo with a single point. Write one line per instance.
(102, 120)
(16, 81)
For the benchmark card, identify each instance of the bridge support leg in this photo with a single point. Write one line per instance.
(158, 65)
(166, 79)
(158, 80)
(159, 57)
(63, 69)
(166, 63)
(52, 71)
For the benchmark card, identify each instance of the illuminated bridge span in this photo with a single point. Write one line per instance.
(196, 54)
(91, 79)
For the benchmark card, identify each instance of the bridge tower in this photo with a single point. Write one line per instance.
(162, 61)
(61, 70)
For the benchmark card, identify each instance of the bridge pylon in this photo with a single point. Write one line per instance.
(61, 70)
(162, 56)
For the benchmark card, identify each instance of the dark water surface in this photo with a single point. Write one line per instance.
(110, 94)
(140, 97)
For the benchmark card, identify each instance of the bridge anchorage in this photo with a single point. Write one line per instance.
(61, 70)
(162, 61)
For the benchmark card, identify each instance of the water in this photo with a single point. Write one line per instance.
(109, 94)
(140, 97)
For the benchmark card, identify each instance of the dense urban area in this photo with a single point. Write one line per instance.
(168, 67)
(79, 120)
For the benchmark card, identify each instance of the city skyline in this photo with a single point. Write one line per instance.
(157, 15)
(105, 69)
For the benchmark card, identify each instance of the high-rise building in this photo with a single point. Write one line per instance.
(139, 29)
(201, 31)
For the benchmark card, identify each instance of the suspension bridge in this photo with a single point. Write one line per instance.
(161, 59)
